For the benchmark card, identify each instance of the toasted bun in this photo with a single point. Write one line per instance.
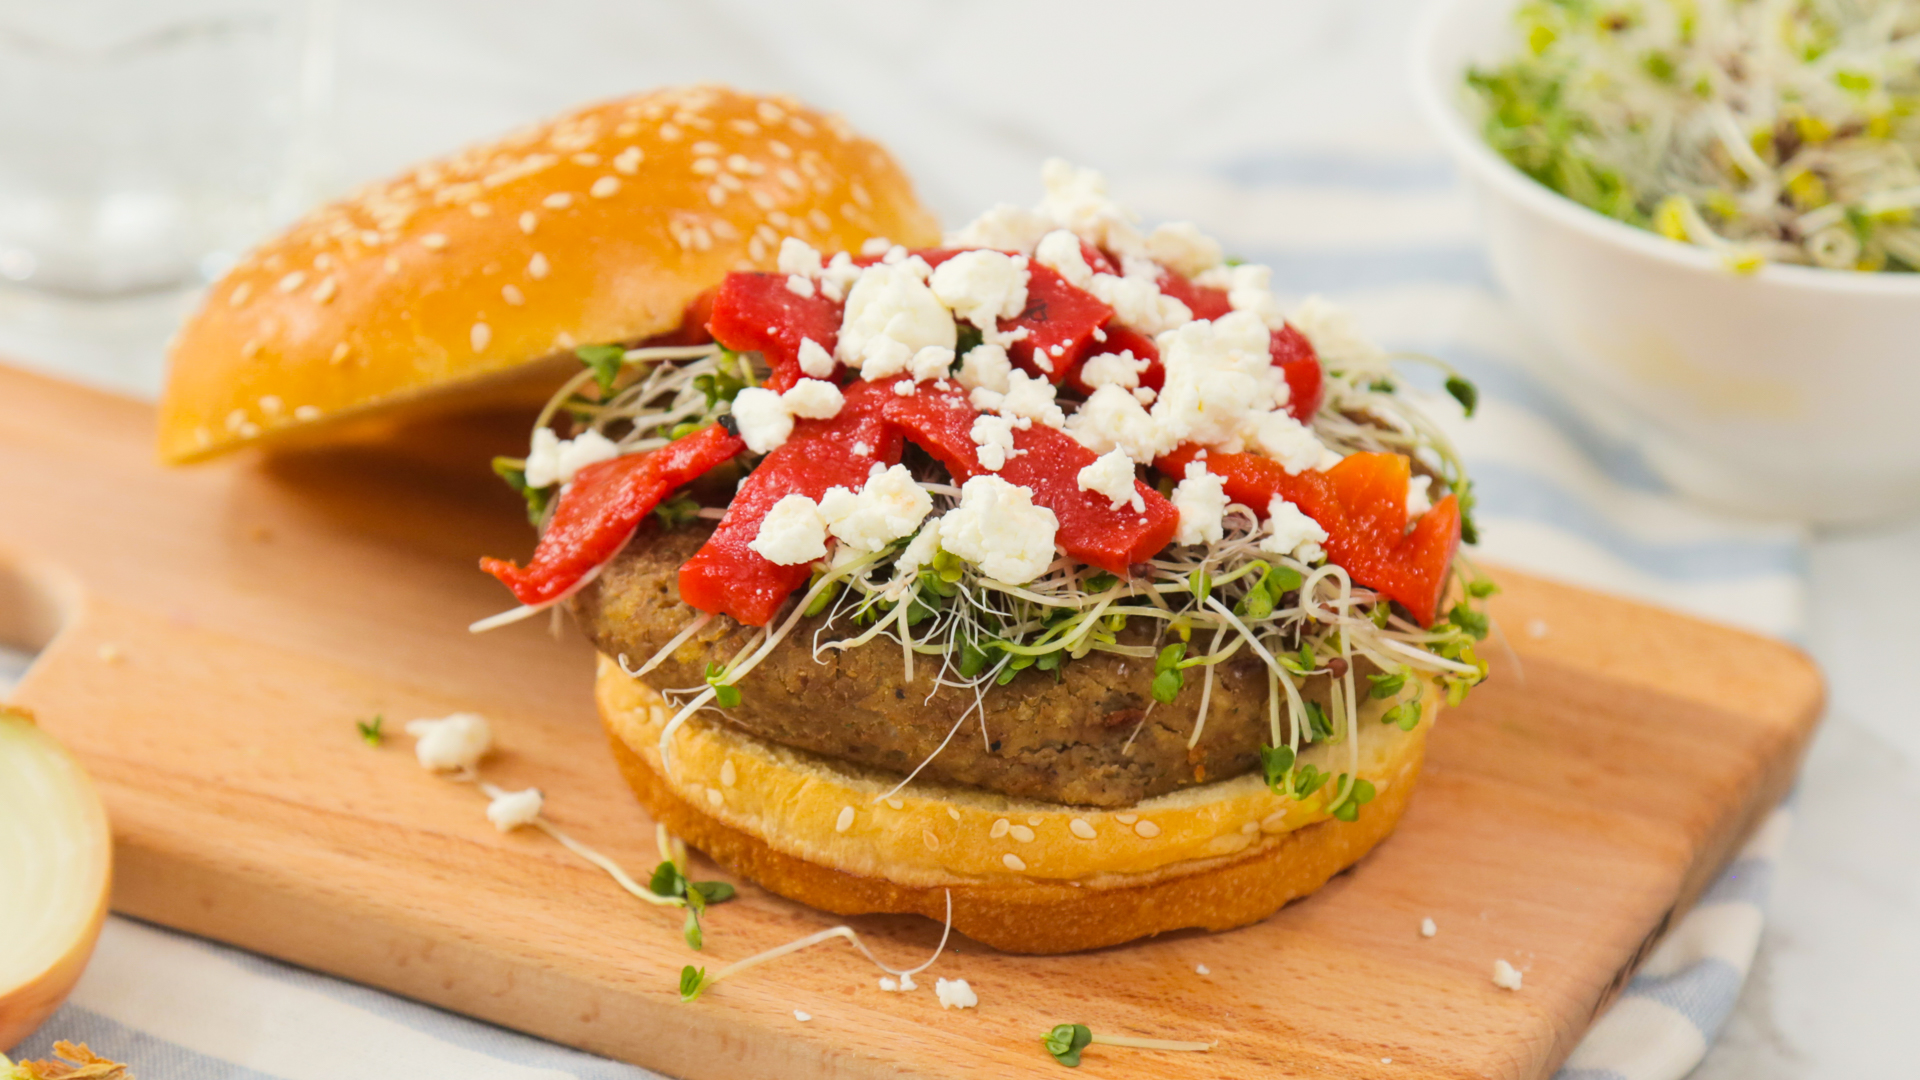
(599, 226)
(1025, 877)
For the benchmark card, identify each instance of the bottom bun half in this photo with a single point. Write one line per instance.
(1024, 876)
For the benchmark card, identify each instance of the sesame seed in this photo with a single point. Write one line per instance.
(740, 163)
(952, 813)
(859, 193)
(322, 261)
(292, 281)
(479, 209)
(627, 130)
(1022, 834)
(1147, 829)
(604, 187)
(392, 265)
(587, 159)
(528, 221)
(537, 267)
(845, 820)
(999, 829)
(717, 195)
(791, 179)
(370, 238)
(744, 127)
(480, 335)
(434, 241)
(236, 418)
(559, 200)
(1013, 862)
(512, 295)
(705, 166)
(897, 804)
(727, 773)
(1036, 820)
(628, 160)
(340, 352)
(1080, 828)
(714, 798)
(820, 219)
(756, 249)
(324, 291)
(928, 838)
(780, 149)
(270, 405)
(306, 412)
(669, 133)
(761, 199)
(1275, 822)
(249, 430)
(1126, 819)
(800, 127)
(1250, 828)
(240, 293)
(730, 182)
(711, 149)
(250, 349)
(769, 112)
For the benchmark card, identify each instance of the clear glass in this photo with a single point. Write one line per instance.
(143, 143)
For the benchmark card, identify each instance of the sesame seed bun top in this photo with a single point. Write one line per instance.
(468, 274)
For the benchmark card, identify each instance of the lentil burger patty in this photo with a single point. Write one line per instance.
(1067, 741)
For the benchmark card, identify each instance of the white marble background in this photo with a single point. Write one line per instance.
(971, 95)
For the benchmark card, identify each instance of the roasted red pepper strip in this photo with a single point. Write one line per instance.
(1293, 354)
(1205, 301)
(598, 511)
(1047, 461)
(1058, 316)
(726, 576)
(1365, 535)
(758, 312)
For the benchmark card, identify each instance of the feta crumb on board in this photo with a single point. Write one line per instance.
(511, 810)
(955, 994)
(1428, 928)
(999, 529)
(1201, 969)
(1505, 975)
(803, 1017)
(451, 743)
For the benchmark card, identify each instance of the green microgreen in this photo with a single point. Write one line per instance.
(725, 694)
(1065, 1041)
(677, 511)
(1464, 392)
(370, 730)
(514, 472)
(605, 362)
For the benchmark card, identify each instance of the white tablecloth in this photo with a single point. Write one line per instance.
(1286, 129)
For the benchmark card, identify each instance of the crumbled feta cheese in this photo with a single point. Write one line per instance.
(919, 551)
(451, 743)
(875, 245)
(890, 506)
(815, 399)
(553, 460)
(906, 388)
(1294, 445)
(839, 276)
(1201, 499)
(800, 286)
(907, 983)
(895, 254)
(1112, 418)
(1181, 247)
(1136, 298)
(863, 449)
(1505, 975)
(997, 528)
(1077, 199)
(1111, 474)
(1006, 227)
(1060, 252)
(985, 366)
(512, 809)
(955, 994)
(799, 257)
(982, 287)
(763, 419)
(1026, 397)
(1335, 337)
(803, 1017)
(1219, 376)
(1419, 496)
(1537, 628)
(994, 436)
(1201, 969)
(815, 360)
(1291, 532)
(1428, 928)
(889, 984)
(793, 532)
(890, 315)
(1113, 369)
(1249, 288)
(932, 362)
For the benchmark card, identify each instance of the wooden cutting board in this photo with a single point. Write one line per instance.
(212, 634)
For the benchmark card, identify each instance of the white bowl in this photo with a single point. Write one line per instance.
(1791, 392)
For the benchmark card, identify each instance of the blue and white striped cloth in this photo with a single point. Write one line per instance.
(1559, 495)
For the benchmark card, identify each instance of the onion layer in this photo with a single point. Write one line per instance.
(55, 859)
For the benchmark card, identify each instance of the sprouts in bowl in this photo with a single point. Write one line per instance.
(1741, 373)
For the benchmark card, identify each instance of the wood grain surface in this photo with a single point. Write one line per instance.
(212, 634)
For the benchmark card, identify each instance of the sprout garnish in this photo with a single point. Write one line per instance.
(1066, 1041)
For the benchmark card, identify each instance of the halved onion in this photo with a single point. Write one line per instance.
(55, 859)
